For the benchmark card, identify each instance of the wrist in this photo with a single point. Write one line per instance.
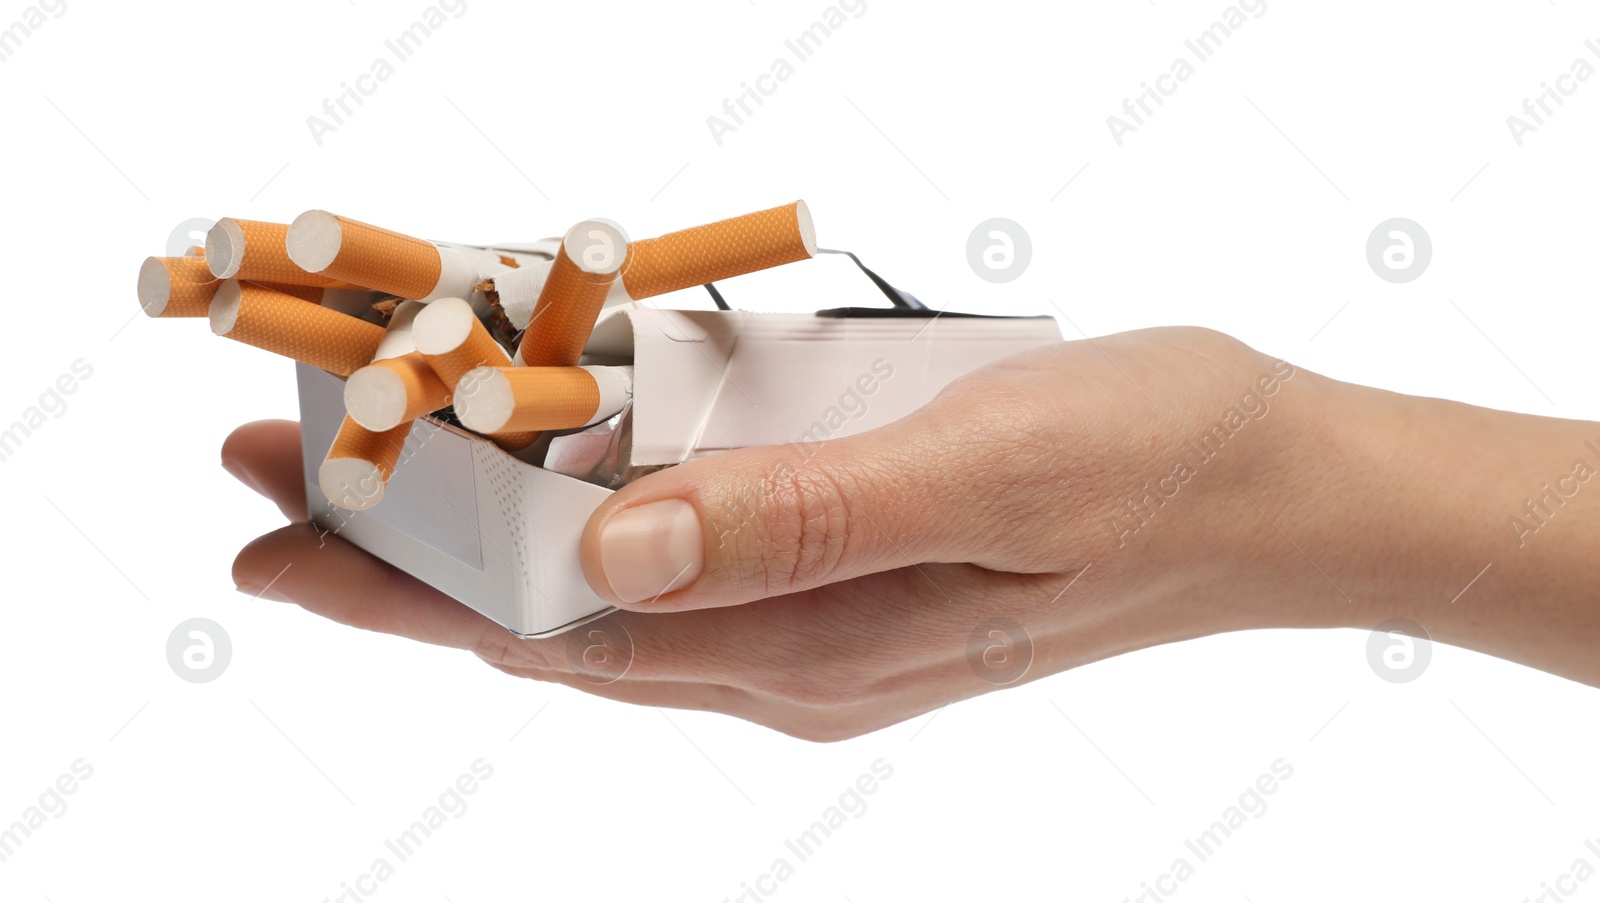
(1481, 526)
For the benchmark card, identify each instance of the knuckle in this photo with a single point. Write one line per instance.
(807, 530)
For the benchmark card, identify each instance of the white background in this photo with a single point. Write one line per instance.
(911, 124)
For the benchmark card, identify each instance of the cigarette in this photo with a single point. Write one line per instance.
(289, 326)
(448, 334)
(310, 293)
(591, 255)
(176, 287)
(720, 250)
(184, 286)
(254, 252)
(392, 391)
(360, 463)
(398, 386)
(451, 339)
(351, 251)
(355, 302)
(496, 399)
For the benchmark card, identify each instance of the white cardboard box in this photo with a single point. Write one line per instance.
(501, 535)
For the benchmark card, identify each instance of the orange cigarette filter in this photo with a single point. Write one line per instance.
(451, 339)
(398, 386)
(449, 336)
(720, 250)
(340, 248)
(591, 255)
(286, 325)
(312, 293)
(254, 251)
(176, 287)
(395, 390)
(527, 398)
(359, 464)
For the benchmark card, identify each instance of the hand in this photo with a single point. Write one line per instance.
(1059, 507)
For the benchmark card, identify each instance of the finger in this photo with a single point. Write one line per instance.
(818, 725)
(327, 576)
(759, 522)
(265, 456)
(702, 697)
(867, 639)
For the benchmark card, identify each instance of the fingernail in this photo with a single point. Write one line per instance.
(652, 549)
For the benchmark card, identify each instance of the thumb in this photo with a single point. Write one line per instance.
(750, 523)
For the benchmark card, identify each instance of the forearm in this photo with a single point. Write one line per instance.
(1482, 526)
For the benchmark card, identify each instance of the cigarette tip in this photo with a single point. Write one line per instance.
(353, 484)
(224, 312)
(155, 286)
(375, 397)
(599, 247)
(314, 240)
(224, 251)
(808, 230)
(483, 400)
(442, 325)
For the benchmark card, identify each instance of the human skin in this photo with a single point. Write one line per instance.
(832, 594)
